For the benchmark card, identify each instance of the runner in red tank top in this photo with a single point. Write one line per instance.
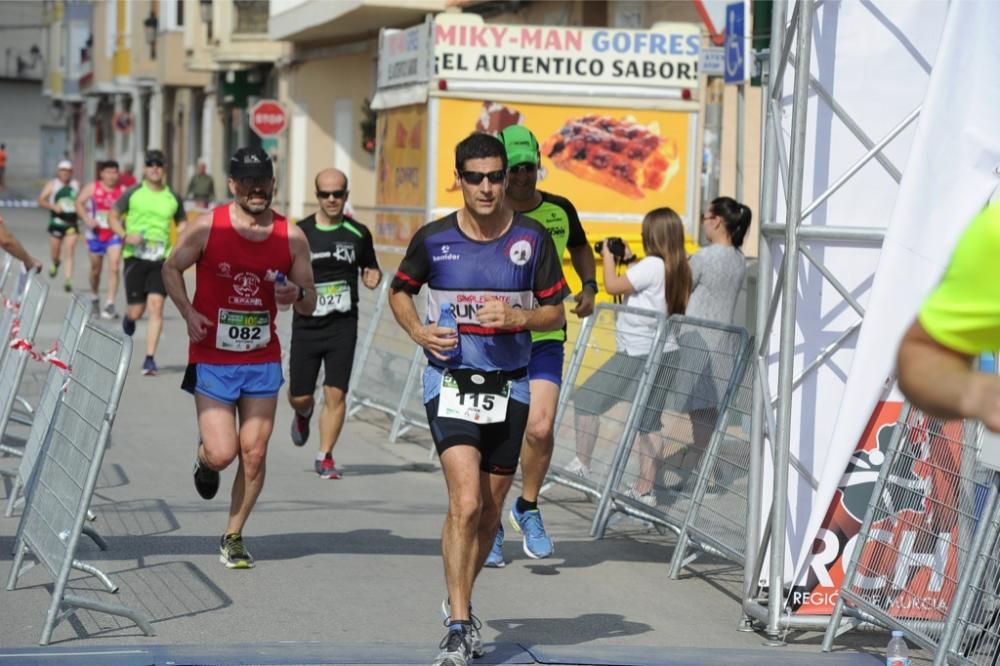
(93, 206)
(250, 261)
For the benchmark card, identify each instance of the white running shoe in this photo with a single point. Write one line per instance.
(578, 468)
(649, 499)
(109, 312)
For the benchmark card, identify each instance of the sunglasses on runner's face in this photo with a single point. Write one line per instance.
(336, 194)
(526, 167)
(476, 177)
(154, 163)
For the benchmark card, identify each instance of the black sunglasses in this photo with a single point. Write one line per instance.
(154, 163)
(525, 167)
(476, 177)
(336, 194)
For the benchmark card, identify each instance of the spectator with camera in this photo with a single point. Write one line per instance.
(660, 282)
(717, 273)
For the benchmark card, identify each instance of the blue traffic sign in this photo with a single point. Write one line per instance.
(735, 43)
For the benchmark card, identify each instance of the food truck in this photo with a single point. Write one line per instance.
(615, 112)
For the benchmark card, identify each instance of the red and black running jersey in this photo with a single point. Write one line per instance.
(521, 267)
(339, 253)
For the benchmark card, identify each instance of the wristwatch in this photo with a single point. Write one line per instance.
(592, 284)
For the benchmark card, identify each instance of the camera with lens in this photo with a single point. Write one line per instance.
(616, 246)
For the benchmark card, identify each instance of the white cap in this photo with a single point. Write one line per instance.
(65, 164)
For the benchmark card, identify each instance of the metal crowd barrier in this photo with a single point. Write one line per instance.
(919, 537)
(673, 472)
(62, 484)
(13, 361)
(972, 632)
(6, 266)
(672, 444)
(383, 363)
(587, 445)
(410, 412)
(719, 501)
(44, 410)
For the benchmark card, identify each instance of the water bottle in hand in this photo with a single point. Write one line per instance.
(447, 320)
(280, 278)
(897, 653)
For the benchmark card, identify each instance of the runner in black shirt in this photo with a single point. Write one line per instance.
(341, 248)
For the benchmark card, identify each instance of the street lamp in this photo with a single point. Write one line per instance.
(152, 25)
(206, 11)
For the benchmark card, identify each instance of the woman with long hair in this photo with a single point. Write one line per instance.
(699, 383)
(660, 282)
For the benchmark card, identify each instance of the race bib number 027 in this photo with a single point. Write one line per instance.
(242, 331)
(332, 297)
(481, 408)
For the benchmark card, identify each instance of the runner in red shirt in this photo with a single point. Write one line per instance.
(127, 177)
(249, 261)
(93, 206)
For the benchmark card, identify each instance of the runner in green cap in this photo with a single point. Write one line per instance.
(560, 219)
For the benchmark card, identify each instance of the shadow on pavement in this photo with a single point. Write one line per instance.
(162, 592)
(134, 518)
(565, 631)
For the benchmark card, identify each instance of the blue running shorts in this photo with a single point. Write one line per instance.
(98, 243)
(229, 383)
(547, 361)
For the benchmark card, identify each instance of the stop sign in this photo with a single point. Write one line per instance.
(267, 118)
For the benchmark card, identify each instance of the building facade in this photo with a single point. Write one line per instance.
(227, 41)
(123, 76)
(32, 135)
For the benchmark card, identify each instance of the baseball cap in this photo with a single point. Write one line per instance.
(156, 156)
(521, 145)
(64, 164)
(251, 163)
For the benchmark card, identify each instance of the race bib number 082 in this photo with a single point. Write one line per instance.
(242, 331)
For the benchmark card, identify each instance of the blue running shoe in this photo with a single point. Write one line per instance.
(537, 544)
(495, 559)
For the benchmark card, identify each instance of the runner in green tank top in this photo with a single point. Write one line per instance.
(59, 198)
(559, 217)
(142, 216)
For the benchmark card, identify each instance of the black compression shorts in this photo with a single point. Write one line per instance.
(142, 277)
(499, 444)
(335, 351)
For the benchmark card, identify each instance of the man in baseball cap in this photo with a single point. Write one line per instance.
(521, 144)
(247, 163)
(560, 218)
(239, 250)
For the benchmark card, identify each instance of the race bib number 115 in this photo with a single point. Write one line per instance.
(481, 408)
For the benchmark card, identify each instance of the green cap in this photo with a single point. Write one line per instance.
(521, 145)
